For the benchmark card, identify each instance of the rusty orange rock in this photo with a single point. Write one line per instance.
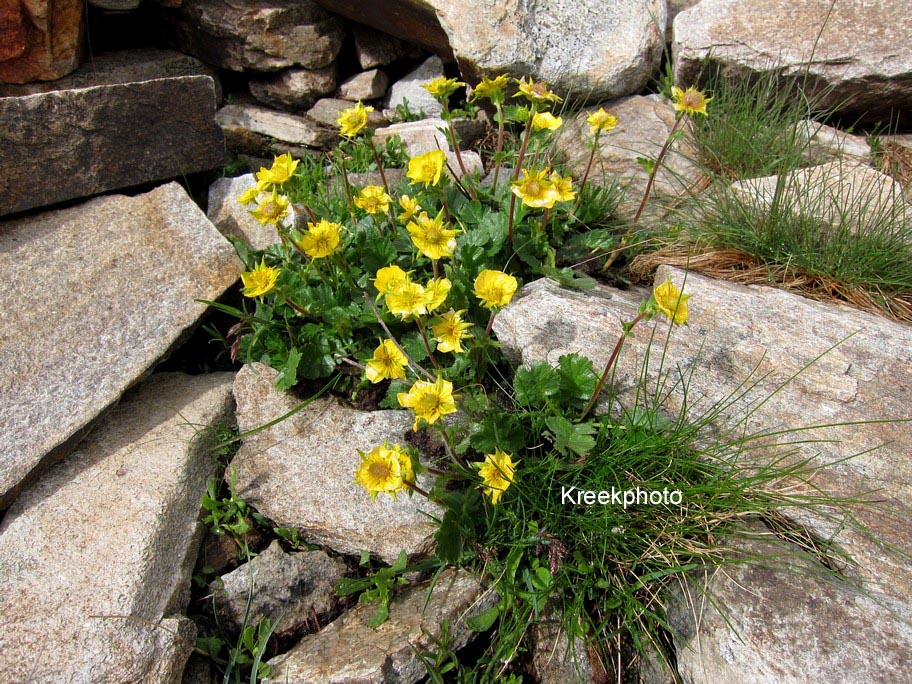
(40, 40)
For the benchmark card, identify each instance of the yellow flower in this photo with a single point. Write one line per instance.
(671, 302)
(535, 190)
(563, 187)
(690, 101)
(249, 196)
(271, 210)
(442, 87)
(496, 472)
(436, 292)
(282, 170)
(386, 469)
(450, 330)
(495, 288)
(491, 88)
(409, 300)
(426, 168)
(536, 92)
(431, 237)
(388, 363)
(352, 120)
(373, 199)
(429, 400)
(260, 280)
(410, 207)
(390, 280)
(601, 121)
(321, 239)
(545, 121)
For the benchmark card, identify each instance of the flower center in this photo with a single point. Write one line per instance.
(428, 403)
(692, 100)
(379, 470)
(533, 187)
(428, 169)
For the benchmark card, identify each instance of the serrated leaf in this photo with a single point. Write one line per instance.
(413, 344)
(577, 378)
(646, 164)
(288, 376)
(532, 386)
(571, 437)
(390, 400)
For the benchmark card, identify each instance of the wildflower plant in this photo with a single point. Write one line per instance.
(398, 286)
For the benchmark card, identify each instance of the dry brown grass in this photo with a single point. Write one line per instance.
(740, 267)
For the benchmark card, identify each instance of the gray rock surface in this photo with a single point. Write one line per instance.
(294, 88)
(847, 366)
(418, 137)
(96, 556)
(825, 143)
(327, 110)
(553, 659)
(839, 193)
(300, 472)
(349, 652)
(408, 90)
(291, 588)
(40, 40)
(96, 294)
(262, 35)
(374, 48)
(249, 128)
(643, 126)
(232, 218)
(74, 129)
(368, 85)
(861, 62)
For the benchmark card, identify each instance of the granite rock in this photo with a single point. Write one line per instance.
(252, 129)
(348, 651)
(408, 91)
(860, 63)
(418, 137)
(327, 111)
(300, 472)
(75, 129)
(232, 218)
(96, 294)
(374, 48)
(291, 589)
(96, 556)
(260, 35)
(294, 88)
(40, 40)
(368, 85)
(825, 143)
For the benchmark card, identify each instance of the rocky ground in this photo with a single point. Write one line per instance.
(112, 243)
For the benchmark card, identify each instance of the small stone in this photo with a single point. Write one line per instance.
(327, 111)
(247, 126)
(96, 556)
(417, 137)
(407, 91)
(95, 295)
(553, 660)
(232, 218)
(111, 124)
(301, 472)
(290, 589)
(40, 40)
(348, 651)
(259, 35)
(374, 48)
(294, 88)
(368, 85)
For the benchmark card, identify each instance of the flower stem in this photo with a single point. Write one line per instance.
(427, 344)
(655, 170)
(500, 142)
(416, 488)
(490, 325)
(608, 366)
(595, 144)
(449, 120)
(416, 369)
(348, 194)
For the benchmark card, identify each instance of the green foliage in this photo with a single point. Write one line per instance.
(245, 657)
(229, 514)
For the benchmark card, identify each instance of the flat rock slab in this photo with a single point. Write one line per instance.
(121, 120)
(860, 52)
(849, 366)
(782, 621)
(95, 295)
(643, 126)
(96, 556)
(301, 472)
(232, 218)
(250, 128)
(347, 651)
(294, 88)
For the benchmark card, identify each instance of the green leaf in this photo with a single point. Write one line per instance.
(449, 539)
(646, 164)
(577, 379)
(571, 437)
(498, 430)
(390, 400)
(484, 621)
(532, 386)
(288, 376)
(379, 617)
(413, 344)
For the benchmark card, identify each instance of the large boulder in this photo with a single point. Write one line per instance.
(261, 35)
(122, 120)
(95, 295)
(856, 56)
(587, 49)
(96, 556)
(301, 471)
(778, 361)
(40, 40)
